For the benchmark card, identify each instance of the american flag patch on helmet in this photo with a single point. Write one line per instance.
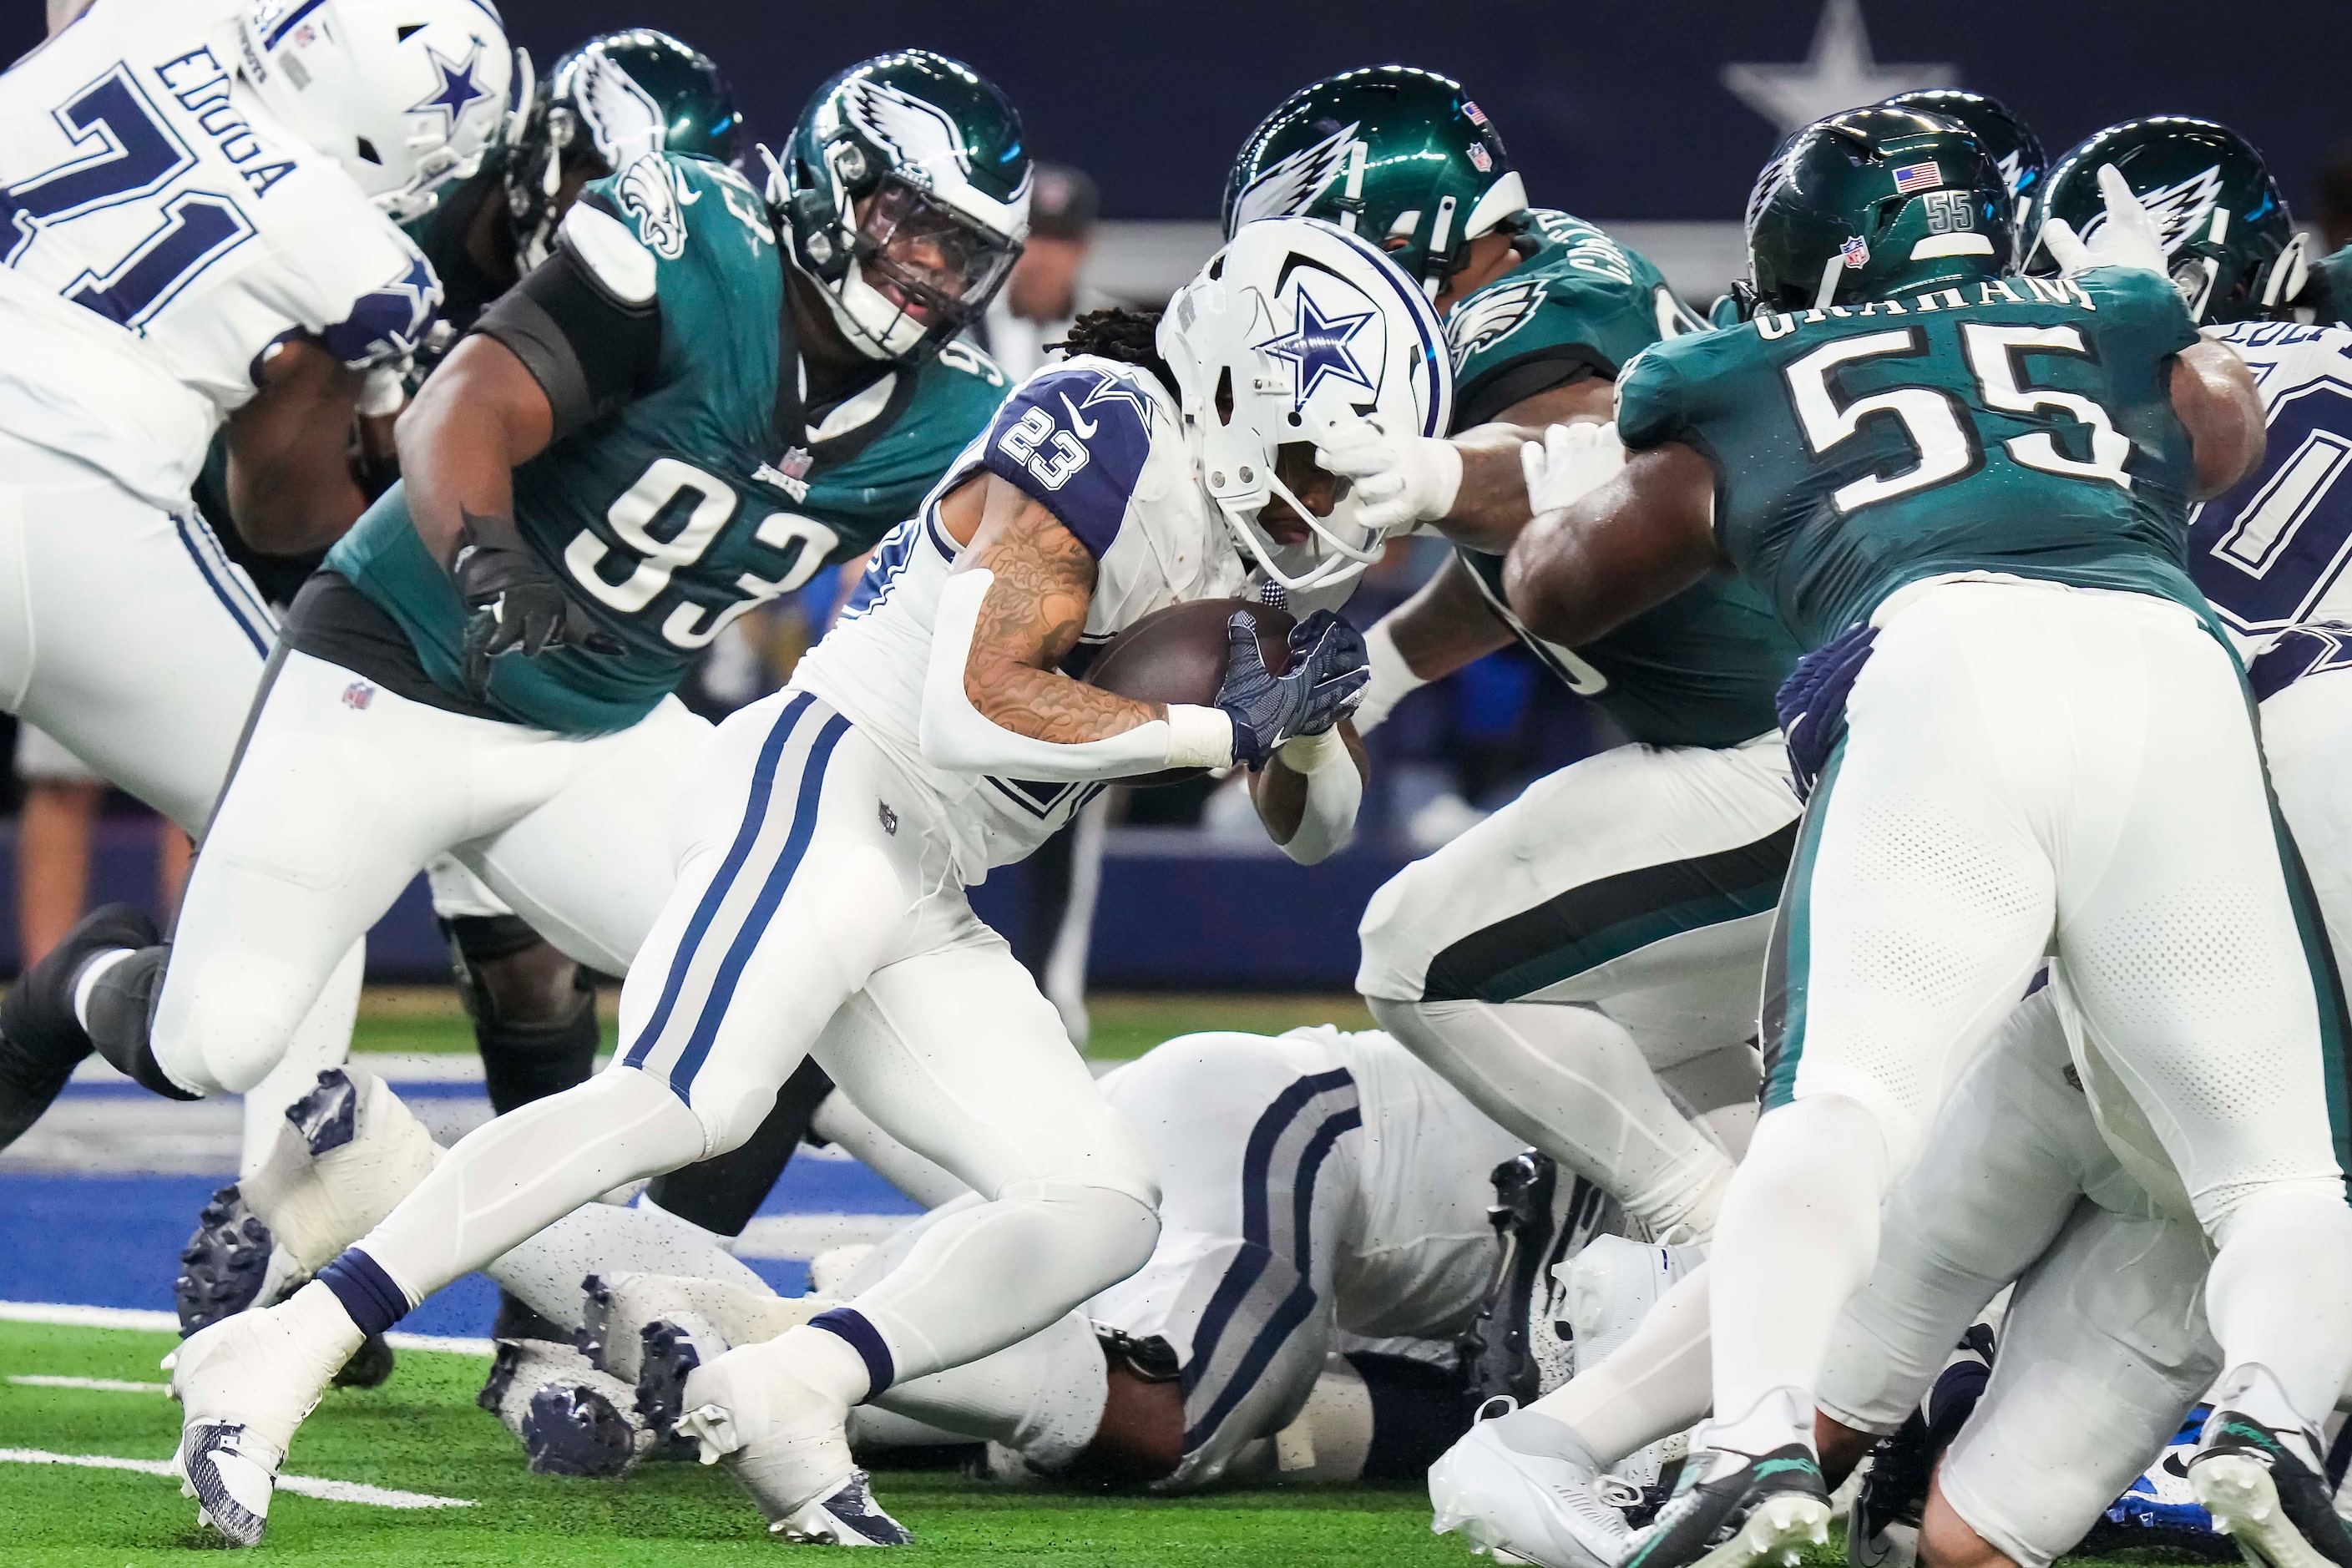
(1857, 252)
(1913, 177)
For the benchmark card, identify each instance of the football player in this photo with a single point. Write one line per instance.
(1985, 1206)
(1318, 1191)
(2014, 693)
(204, 199)
(1584, 963)
(827, 834)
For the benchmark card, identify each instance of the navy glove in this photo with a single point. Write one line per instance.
(517, 604)
(1328, 669)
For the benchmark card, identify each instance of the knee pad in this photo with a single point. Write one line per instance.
(238, 1020)
(350, 1151)
(1116, 1227)
(1384, 936)
(532, 1046)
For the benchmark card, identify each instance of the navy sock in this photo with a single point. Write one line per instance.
(851, 1325)
(370, 1295)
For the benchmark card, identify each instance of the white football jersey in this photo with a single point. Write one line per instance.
(162, 230)
(1099, 444)
(1416, 1263)
(2272, 554)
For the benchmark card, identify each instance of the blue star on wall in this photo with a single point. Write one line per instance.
(1317, 347)
(458, 91)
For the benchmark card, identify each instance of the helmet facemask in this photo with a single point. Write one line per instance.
(919, 270)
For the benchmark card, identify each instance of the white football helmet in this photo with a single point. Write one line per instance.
(1295, 325)
(407, 95)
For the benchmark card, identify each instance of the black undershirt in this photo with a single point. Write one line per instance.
(332, 620)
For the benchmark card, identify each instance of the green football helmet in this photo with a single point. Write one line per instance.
(2233, 248)
(906, 191)
(1870, 203)
(2016, 150)
(612, 98)
(1398, 155)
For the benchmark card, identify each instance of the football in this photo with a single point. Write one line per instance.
(1177, 655)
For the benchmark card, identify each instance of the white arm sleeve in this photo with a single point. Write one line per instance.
(1334, 790)
(954, 734)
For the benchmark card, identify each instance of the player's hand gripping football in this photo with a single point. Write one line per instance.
(1570, 462)
(1398, 479)
(517, 604)
(2128, 238)
(1327, 671)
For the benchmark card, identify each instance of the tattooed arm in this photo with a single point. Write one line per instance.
(994, 701)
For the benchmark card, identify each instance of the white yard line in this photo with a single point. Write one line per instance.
(302, 1485)
(97, 1384)
(72, 1316)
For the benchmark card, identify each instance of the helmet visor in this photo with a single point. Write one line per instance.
(935, 265)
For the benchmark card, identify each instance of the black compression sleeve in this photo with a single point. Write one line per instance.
(589, 352)
(1487, 399)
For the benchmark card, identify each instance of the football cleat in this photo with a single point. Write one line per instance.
(2160, 1509)
(245, 1385)
(718, 1315)
(1732, 1510)
(349, 1151)
(1881, 1524)
(1610, 1284)
(1525, 1488)
(2264, 1496)
(787, 1446)
(231, 1265)
(572, 1419)
(41, 1040)
(1518, 1345)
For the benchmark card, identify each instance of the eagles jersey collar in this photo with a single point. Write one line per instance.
(843, 427)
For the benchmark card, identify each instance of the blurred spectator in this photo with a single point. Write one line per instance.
(2334, 204)
(55, 838)
(1047, 287)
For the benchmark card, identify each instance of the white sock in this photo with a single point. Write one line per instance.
(1656, 1384)
(1798, 1238)
(316, 1315)
(2279, 1301)
(1043, 1395)
(1573, 1083)
(94, 970)
(546, 1271)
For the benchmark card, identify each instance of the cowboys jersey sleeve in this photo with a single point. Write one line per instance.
(686, 484)
(163, 232)
(2272, 553)
(1099, 445)
(2019, 426)
(1701, 668)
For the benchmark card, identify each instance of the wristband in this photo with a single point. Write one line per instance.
(1199, 737)
(1392, 679)
(1308, 753)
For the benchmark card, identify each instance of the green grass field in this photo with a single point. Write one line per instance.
(428, 1018)
(421, 1433)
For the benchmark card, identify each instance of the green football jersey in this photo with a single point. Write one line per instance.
(2330, 291)
(2020, 426)
(1700, 669)
(688, 505)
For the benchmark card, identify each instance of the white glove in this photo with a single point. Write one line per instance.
(384, 390)
(1392, 679)
(2128, 238)
(1573, 461)
(1398, 479)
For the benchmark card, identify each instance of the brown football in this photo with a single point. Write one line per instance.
(1177, 655)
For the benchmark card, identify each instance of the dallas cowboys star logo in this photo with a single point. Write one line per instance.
(1317, 348)
(1840, 72)
(458, 91)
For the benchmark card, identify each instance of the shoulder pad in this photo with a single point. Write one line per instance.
(667, 199)
(387, 323)
(1075, 438)
(609, 251)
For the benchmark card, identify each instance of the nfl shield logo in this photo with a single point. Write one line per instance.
(1913, 177)
(1856, 251)
(358, 695)
(1481, 159)
(796, 463)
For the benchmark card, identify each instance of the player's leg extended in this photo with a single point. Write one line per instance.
(2205, 982)
(1640, 873)
(788, 891)
(2103, 1352)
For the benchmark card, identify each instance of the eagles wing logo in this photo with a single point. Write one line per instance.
(622, 119)
(1491, 315)
(920, 133)
(2179, 210)
(2009, 169)
(650, 197)
(1291, 185)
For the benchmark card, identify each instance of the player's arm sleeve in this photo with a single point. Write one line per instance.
(586, 323)
(1650, 409)
(385, 297)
